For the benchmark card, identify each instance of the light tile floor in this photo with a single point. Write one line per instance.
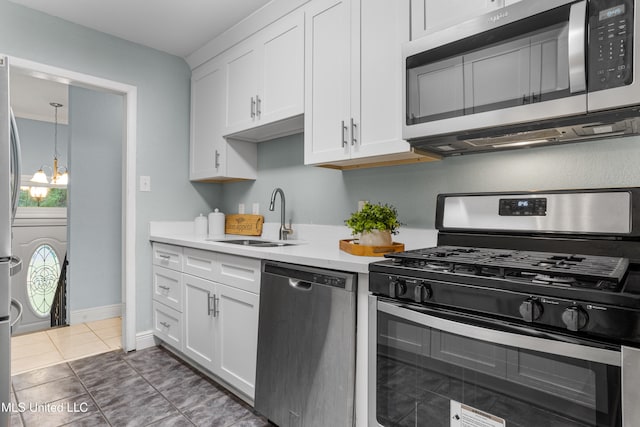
(53, 346)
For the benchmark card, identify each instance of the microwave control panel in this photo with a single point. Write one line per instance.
(611, 26)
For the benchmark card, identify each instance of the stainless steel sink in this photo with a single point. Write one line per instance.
(256, 243)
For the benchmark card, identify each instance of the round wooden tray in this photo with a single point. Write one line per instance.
(350, 246)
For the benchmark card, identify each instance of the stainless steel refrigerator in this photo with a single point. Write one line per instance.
(9, 265)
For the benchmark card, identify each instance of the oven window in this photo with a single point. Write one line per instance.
(425, 375)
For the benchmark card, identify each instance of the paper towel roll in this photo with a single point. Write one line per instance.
(216, 225)
(200, 226)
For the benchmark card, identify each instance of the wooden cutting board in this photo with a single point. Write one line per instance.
(244, 224)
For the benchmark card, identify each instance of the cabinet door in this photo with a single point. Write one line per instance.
(207, 146)
(431, 15)
(199, 320)
(237, 338)
(379, 28)
(242, 86)
(282, 70)
(327, 65)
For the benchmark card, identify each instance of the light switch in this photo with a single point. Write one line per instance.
(145, 183)
(256, 209)
(240, 208)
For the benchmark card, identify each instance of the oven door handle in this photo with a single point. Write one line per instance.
(560, 348)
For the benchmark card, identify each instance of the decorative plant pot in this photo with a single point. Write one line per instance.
(376, 238)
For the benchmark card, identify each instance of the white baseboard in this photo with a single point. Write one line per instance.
(95, 313)
(145, 340)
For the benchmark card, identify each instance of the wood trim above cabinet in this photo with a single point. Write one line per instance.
(412, 156)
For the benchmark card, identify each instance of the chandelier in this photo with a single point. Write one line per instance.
(58, 176)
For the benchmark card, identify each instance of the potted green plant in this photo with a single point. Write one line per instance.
(374, 224)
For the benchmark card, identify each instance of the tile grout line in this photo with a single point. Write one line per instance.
(90, 395)
(160, 393)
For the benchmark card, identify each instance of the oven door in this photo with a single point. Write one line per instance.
(438, 368)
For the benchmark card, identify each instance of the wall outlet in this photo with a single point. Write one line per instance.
(256, 208)
(240, 208)
(361, 204)
(145, 183)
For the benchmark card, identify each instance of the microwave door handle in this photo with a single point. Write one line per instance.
(576, 47)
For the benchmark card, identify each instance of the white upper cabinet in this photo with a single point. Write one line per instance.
(212, 157)
(242, 74)
(327, 82)
(353, 83)
(428, 16)
(265, 82)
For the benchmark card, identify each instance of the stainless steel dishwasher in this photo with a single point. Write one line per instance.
(306, 346)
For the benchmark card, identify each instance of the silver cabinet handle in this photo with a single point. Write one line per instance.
(253, 108)
(216, 302)
(165, 324)
(343, 130)
(258, 109)
(166, 288)
(217, 160)
(210, 308)
(353, 132)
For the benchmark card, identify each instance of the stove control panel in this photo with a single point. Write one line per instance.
(523, 207)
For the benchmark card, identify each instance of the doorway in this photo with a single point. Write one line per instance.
(128, 93)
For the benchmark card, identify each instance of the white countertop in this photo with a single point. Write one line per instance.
(315, 245)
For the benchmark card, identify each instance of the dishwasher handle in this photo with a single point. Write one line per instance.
(302, 276)
(299, 285)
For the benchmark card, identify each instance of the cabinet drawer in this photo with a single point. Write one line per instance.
(199, 263)
(167, 325)
(239, 272)
(167, 287)
(167, 256)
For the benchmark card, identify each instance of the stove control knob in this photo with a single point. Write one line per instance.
(575, 318)
(422, 292)
(531, 310)
(397, 288)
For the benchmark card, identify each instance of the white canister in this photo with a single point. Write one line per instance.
(200, 226)
(216, 225)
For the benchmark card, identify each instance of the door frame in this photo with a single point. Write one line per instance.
(130, 94)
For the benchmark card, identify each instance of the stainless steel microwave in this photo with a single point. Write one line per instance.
(533, 73)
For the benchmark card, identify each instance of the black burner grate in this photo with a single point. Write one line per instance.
(566, 270)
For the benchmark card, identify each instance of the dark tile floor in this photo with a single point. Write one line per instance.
(145, 388)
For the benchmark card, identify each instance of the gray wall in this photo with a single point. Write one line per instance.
(323, 196)
(36, 142)
(96, 122)
(163, 116)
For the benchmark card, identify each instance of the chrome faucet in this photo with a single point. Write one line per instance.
(284, 231)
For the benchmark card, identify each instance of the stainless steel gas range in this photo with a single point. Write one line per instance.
(527, 313)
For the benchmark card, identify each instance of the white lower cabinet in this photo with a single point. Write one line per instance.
(237, 337)
(216, 325)
(199, 320)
